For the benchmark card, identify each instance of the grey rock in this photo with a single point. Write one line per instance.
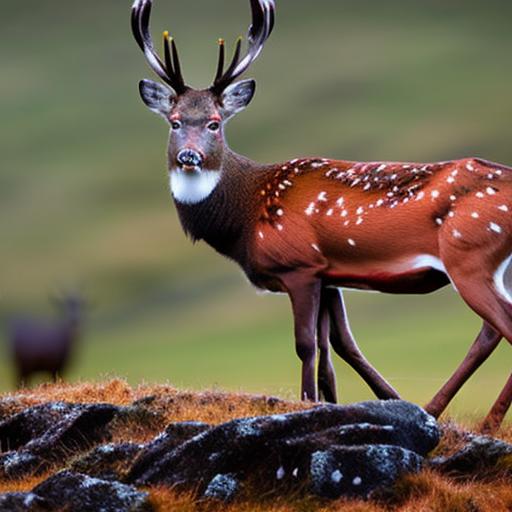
(108, 461)
(359, 471)
(222, 487)
(483, 457)
(80, 428)
(279, 448)
(173, 436)
(23, 502)
(82, 493)
(17, 430)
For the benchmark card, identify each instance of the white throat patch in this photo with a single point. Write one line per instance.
(188, 188)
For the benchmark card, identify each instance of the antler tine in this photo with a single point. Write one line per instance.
(263, 15)
(236, 58)
(180, 82)
(222, 56)
(141, 13)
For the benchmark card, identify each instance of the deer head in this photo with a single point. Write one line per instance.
(197, 117)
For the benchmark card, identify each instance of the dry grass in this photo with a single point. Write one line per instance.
(426, 491)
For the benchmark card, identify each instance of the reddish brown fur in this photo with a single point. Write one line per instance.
(397, 223)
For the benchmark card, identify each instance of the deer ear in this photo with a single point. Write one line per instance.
(236, 97)
(157, 97)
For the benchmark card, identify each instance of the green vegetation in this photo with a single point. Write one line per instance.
(84, 199)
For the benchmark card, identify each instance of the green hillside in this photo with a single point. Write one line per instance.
(84, 199)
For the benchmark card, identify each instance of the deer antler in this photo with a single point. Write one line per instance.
(170, 71)
(263, 14)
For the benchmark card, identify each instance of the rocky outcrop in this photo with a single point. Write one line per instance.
(45, 435)
(334, 451)
(328, 451)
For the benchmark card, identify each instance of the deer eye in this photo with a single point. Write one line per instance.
(176, 125)
(213, 126)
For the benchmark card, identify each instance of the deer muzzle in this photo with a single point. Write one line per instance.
(189, 159)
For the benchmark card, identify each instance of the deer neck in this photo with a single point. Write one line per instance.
(223, 218)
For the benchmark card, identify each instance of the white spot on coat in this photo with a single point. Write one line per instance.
(317, 249)
(456, 233)
(503, 208)
(480, 195)
(280, 473)
(435, 194)
(357, 480)
(310, 209)
(280, 212)
(490, 191)
(351, 242)
(322, 196)
(495, 227)
(261, 235)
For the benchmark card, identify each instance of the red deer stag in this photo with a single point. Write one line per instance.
(309, 226)
(45, 347)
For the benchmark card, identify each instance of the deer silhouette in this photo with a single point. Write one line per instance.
(45, 346)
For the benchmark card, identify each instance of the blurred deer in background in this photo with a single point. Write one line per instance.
(309, 226)
(39, 346)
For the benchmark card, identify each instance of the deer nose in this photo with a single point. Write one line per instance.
(189, 158)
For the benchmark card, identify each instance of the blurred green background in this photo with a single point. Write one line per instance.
(84, 198)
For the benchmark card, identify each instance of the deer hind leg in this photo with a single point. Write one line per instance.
(326, 373)
(304, 291)
(486, 341)
(489, 294)
(498, 411)
(346, 347)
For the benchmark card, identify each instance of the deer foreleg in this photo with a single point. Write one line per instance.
(326, 373)
(346, 347)
(486, 341)
(304, 292)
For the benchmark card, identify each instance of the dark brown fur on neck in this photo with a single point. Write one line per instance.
(225, 220)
